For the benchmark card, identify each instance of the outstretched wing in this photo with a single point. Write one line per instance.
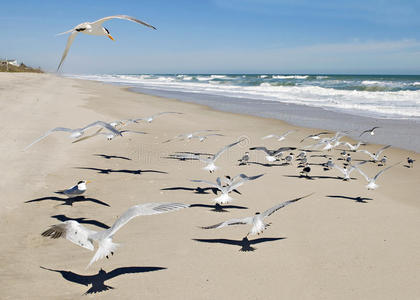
(104, 125)
(363, 174)
(240, 180)
(124, 17)
(382, 149)
(354, 167)
(216, 156)
(383, 170)
(98, 132)
(269, 136)
(72, 231)
(367, 152)
(165, 113)
(140, 210)
(47, 134)
(272, 210)
(69, 42)
(230, 222)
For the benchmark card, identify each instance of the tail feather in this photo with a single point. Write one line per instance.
(105, 248)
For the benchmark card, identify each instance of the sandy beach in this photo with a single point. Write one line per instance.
(343, 242)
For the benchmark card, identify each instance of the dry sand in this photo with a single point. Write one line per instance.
(322, 247)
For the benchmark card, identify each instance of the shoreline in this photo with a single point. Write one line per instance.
(401, 133)
(330, 245)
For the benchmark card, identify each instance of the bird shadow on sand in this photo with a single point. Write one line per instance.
(267, 164)
(197, 190)
(64, 218)
(112, 156)
(69, 201)
(245, 244)
(357, 199)
(218, 207)
(312, 177)
(109, 171)
(98, 280)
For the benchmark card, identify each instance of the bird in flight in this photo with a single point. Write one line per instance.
(95, 28)
(84, 237)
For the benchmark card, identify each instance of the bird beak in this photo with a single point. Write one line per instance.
(88, 181)
(111, 37)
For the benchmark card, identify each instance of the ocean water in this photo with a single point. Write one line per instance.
(378, 96)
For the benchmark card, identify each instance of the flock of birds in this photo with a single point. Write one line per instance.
(84, 237)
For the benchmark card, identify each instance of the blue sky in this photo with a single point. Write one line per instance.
(219, 36)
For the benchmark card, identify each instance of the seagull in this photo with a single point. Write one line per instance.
(84, 237)
(190, 135)
(370, 131)
(383, 161)
(95, 28)
(278, 137)
(348, 158)
(305, 171)
(289, 158)
(353, 147)
(77, 132)
(347, 171)
(231, 180)
(109, 135)
(375, 157)
(234, 183)
(210, 160)
(244, 159)
(329, 164)
(76, 190)
(410, 162)
(315, 136)
(330, 143)
(372, 180)
(273, 155)
(152, 117)
(301, 155)
(256, 221)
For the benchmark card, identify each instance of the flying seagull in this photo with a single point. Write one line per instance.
(84, 237)
(273, 155)
(372, 180)
(109, 135)
(278, 137)
(347, 171)
(373, 156)
(233, 183)
(77, 132)
(352, 147)
(94, 28)
(149, 119)
(190, 135)
(315, 136)
(256, 221)
(370, 131)
(210, 160)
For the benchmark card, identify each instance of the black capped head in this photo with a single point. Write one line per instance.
(257, 213)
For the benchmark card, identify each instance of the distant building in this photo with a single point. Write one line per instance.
(12, 62)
